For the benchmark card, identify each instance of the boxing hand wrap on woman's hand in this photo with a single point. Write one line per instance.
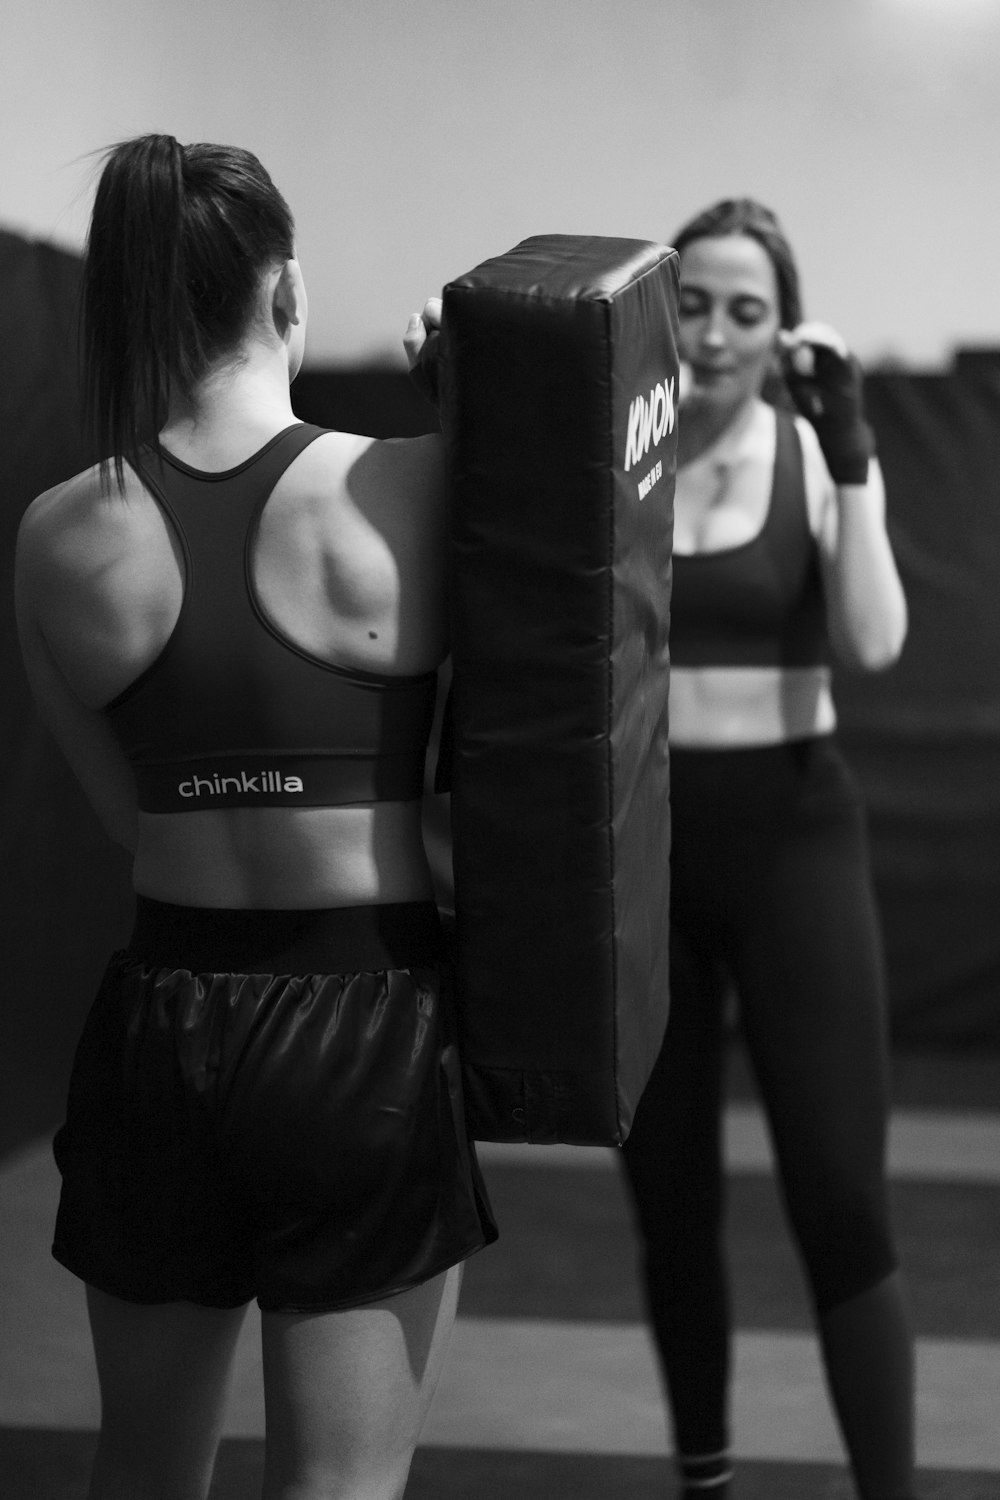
(826, 385)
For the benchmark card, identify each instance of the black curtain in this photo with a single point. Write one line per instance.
(925, 736)
(65, 894)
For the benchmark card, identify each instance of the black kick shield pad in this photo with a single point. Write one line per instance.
(558, 391)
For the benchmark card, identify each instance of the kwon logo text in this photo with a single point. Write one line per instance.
(650, 419)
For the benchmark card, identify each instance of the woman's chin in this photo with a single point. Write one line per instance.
(706, 395)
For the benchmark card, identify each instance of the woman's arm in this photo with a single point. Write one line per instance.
(81, 732)
(866, 606)
(865, 603)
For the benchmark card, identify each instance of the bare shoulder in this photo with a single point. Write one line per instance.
(421, 457)
(51, 512)
(393, 486)
(97, 582)
(75, 529)
(414, 466)
(338, 458)
(86, 553)
(55, 539)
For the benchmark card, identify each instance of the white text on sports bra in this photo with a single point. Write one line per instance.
(219, 786)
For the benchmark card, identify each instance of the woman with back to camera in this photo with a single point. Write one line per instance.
(780, 555)
(233, 626)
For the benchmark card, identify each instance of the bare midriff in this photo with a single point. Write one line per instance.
(284, 858)
(733, 707)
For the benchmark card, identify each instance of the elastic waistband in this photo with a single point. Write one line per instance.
(327, 940)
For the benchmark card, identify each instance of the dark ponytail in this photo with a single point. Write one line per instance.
(179, 239)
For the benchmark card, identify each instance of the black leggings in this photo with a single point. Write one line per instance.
(771, 894)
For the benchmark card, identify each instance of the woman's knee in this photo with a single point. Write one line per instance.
(847, 1244)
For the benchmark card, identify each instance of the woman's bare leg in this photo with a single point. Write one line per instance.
(164, 1377)
(346, 1393)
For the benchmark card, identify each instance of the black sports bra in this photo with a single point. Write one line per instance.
(234, 714)
(759, 604)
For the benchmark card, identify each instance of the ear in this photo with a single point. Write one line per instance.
(288, 299)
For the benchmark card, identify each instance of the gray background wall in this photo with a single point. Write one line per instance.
(414, 138)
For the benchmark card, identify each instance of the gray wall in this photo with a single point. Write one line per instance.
(414, 138)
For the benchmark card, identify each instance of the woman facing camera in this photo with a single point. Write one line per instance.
(782, 564)
(232, 625)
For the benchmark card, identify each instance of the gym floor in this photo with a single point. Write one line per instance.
(550, 1389)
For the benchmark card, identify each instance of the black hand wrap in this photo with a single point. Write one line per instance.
(831, 398)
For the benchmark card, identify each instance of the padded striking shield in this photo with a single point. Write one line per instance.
(558, 391)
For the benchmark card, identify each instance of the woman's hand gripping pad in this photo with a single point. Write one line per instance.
(558, 398)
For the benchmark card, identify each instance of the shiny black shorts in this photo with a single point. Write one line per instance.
(268, 1104)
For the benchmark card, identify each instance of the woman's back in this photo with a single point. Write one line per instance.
(348, 566)
(130, 605)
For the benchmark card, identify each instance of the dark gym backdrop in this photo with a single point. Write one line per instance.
(924, 738)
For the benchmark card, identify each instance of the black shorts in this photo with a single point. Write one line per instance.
(268, 1104)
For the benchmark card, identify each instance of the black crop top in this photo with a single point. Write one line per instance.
(759, 604)
(232, 713)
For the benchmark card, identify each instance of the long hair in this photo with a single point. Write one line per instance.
(179, 239)
(747, 216)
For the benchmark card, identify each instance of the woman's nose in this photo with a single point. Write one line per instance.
(713, 331)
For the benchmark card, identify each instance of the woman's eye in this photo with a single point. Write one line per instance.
(748, 314)
(690, 305)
